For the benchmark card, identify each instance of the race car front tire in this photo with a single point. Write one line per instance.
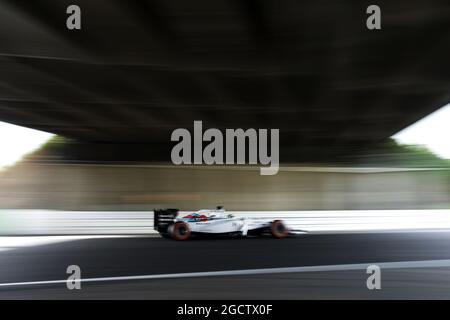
(278, 229)
(180, 231)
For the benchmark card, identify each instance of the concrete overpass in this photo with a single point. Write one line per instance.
(139, 69)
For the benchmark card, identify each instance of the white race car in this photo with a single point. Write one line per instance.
(214, 222)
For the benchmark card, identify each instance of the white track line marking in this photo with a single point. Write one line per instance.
(323, 268)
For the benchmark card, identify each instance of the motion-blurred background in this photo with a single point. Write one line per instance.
(112, 93)
(86, 118)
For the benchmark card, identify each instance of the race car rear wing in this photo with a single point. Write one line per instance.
(163, 218)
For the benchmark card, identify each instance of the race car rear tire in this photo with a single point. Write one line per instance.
(278, 229)
(180, 231)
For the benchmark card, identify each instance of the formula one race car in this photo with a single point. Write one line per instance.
(213, 223)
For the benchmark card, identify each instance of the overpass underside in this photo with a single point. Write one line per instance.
(137, 70)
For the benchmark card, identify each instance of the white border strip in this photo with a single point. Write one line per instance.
(323, 268)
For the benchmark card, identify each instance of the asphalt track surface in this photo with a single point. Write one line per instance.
(114, 257)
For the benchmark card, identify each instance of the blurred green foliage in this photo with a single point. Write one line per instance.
(391, 153)
(387, 153)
